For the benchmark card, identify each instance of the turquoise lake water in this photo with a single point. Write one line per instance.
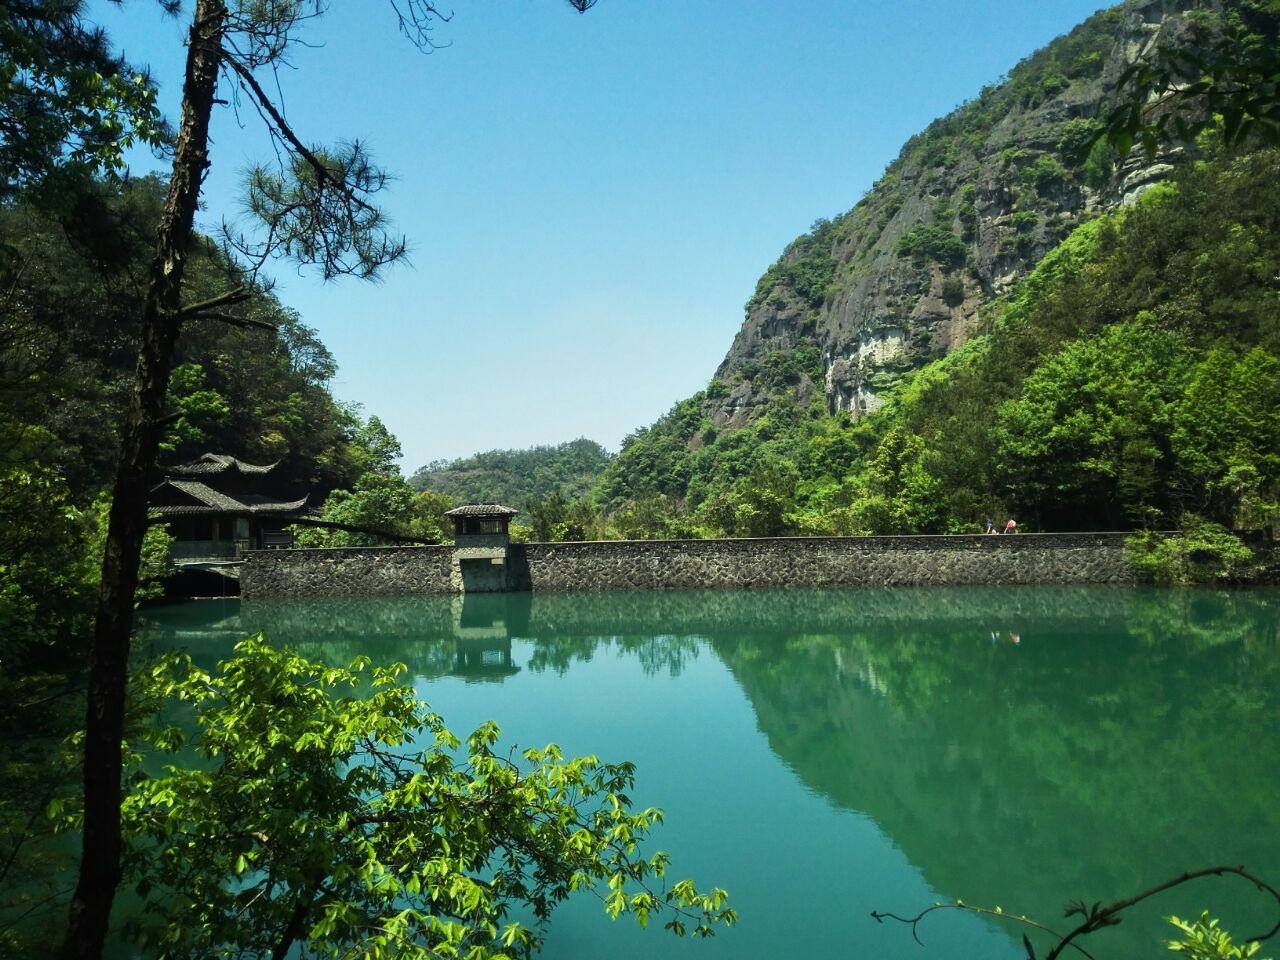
(824, 753)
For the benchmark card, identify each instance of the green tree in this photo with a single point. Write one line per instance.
(1226, 437)
(45, 564)
(197, 410)
(316, 207)
(1089, 433)
(378, 503)
(764, 500)
(429, 520)
(643, 517)
(375, 449)
(546, 515)
(413, 843)
(69, 107)
(900, 491)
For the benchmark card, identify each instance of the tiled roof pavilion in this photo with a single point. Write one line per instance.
(216, 463)
(177, 496)
(211, 502)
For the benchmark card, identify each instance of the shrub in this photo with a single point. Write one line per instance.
(1099, 165)
(1206, 552)
(890, 208)
(1034, 91)
(809, 277)
(953, 291)
(717, 389)
(968, 210)
(1077, 140)
(932, 242)
(1024, 220)
(1044, 173)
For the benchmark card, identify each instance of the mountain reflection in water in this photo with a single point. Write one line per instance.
(1020, 746)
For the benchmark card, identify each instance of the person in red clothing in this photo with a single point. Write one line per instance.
(1011, 526)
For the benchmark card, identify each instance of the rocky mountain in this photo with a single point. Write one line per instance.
(1008, 324)
(967, 209)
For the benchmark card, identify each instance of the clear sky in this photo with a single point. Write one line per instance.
(589, 199)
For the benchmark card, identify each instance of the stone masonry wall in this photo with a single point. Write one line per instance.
(826, 561)
(346, 572)
(694, 564)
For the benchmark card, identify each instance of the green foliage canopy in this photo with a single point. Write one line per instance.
(1130, 378)
(516, 477)
(413, 843)
(69, 107)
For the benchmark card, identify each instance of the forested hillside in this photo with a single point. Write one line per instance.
(965, 210)
(1131, 378)
(1006, 325)
(515, 477)
(70, 289)
(71, 283)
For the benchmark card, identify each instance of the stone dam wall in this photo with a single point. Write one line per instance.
(1046, 558)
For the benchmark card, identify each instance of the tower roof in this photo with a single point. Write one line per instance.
(481, 510)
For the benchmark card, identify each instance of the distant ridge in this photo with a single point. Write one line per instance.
(517, 476)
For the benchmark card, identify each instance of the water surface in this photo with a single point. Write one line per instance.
(823, 753)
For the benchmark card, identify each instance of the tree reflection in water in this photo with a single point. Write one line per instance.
(1022, 746)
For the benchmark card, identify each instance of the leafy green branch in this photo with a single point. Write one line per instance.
(1231, 72)
(334, 809)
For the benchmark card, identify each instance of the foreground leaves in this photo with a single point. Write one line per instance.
(333, 811)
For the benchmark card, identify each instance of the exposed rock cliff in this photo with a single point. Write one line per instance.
(967, 208)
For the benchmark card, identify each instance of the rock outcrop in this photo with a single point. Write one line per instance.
(967, 209)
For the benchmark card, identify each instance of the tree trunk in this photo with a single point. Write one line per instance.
(293, 929)
(109, 656)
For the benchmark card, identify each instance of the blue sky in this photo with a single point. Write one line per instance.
(589, 200)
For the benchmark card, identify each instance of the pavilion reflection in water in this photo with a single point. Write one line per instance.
(482, 637)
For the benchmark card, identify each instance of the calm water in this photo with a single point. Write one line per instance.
(824, 753)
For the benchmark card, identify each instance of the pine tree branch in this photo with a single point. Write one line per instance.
(247, 322)
(230, 298)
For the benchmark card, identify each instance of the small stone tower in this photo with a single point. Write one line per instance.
(481, 547)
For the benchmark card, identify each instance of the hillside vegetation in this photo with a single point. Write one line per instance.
(1131, 378)
(516, 477)
(1010, 323)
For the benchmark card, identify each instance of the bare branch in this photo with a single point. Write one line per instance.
(231, 297)
(880, 916)
(1108, 915)
(1096, 917)
(415, 21)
